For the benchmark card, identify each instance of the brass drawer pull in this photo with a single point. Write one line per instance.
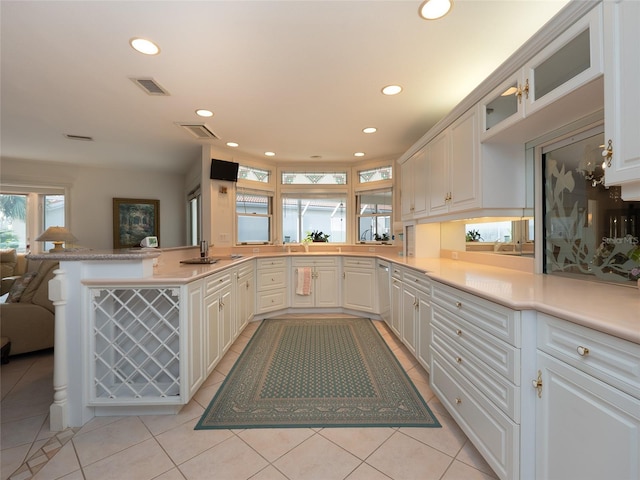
(459, 332)
(459, 304)
(458, 400)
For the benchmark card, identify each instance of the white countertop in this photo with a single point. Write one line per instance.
(613, 309)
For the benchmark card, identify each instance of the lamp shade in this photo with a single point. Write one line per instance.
(58, 236)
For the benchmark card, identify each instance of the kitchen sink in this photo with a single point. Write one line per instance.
(201, 260)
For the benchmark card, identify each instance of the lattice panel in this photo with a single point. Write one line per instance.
(136, 350)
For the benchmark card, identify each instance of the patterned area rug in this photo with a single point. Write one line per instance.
(328, 372)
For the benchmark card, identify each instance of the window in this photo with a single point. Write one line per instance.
(302, 214)
(13, 222)
(375, 174)
(26, 212)
(194, 216)
(254, 213)
(374, 215)
(253, 174)
(314, 178)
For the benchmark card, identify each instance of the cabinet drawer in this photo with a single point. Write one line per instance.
(271, 278)
(482, 347)
(215, 283)
(245, 269)
(271, 263)
(496, 319)
(396, 272)
(359, 262)
(314, 262)
(610, 359)
(496, 387)
(274, 300)
(418, 280)
(493, 434)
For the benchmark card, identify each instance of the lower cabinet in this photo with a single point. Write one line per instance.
(195, 328)
(359, 284)
(218, 318)
(588, 410)
(396, 301)
(272, 281)
(475, 372)
(324, 288)
(245, 296)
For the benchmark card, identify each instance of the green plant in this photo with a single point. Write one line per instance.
(317, 236)
(473, 236)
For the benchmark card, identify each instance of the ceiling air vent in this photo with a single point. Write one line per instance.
(199, 130)
(150, 86)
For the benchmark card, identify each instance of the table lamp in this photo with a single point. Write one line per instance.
(58, 236)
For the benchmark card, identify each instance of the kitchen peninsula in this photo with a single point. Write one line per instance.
(132, 338)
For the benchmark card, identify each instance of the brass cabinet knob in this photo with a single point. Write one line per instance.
(458, 400)
(582, 351)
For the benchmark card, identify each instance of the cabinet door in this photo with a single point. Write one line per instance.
(396, 307)
(359, 290)
(406, 189)
(226, 318)
(302, 301)
(622, 95)
(503, 107)
(195, 344)
(585, 428)
(245, 307)
(570, 61)
(409, 314)
(423, 329)
(211, 333)
(438, 168)
(419, 178)
(464, 169)
(327, 292)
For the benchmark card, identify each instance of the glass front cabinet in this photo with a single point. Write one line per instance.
(570, 61)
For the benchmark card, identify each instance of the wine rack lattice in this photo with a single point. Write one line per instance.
(136, 343)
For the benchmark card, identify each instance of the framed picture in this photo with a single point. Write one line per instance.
(133, 220)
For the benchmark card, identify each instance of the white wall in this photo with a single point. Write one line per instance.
(92, 190)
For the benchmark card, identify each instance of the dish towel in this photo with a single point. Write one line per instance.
(303, 286)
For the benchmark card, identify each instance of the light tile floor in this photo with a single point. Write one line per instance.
(166, 447)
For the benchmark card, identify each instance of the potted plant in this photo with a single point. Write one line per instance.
(317, 236)
(473, 236)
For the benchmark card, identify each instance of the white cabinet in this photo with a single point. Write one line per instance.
(570, 61)
(359, 285)
(246, 294)
(438, 180)
(409, 314)
(413, 181)
(475, 372)
(419, 286)
(588, 410)
(218, 320)
(324, 283)
(622, 95)
(195, 368)
(396, 300)
(272, 279)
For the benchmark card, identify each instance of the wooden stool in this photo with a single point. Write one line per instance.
(6, 348)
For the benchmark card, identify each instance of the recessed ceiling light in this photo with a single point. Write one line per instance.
(392, 89)
(145, 46)
(370, 130)
(232, 144)
(270, 154)
(204, 113)
(434, 9)
(358, 154)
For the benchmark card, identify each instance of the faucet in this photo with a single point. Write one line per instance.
(204, 248)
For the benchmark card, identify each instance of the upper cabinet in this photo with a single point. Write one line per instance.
(622, 94)
(413, 179)
(454, 166)
(572, 60)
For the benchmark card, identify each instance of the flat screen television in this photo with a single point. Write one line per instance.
(223, 170)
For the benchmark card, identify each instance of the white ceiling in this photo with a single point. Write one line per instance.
(300, 78)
